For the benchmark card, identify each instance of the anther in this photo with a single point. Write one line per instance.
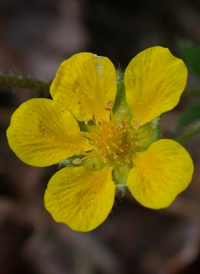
(115, 157)
(86, 120)
(115, 145)
(127, 161)
(110, 104)
(91, 142)
(76, 161)
(126, 147)
(137, 124)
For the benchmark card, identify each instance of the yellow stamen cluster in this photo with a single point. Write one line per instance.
(110, 140)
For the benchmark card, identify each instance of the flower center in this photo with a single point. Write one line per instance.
(111, 141)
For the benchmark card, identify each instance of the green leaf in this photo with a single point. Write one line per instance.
(191, 55)
(190, 115)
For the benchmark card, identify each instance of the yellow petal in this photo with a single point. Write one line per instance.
(86, 85)
(43, 132)
(154, 82)
(79, 197)
(160, 173)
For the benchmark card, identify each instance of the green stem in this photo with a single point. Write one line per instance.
(23, 82)
(189, 134)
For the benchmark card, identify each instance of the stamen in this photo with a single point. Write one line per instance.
(127, 161)
(94, 130)
(82, 152)
(110, 105)
(137, 125)
(124, 115)
(109, 139)
(115, 157)
(86, 120)
(126, 147)
(92, 142)
(112, 116)
(76, 161)
(114, 144)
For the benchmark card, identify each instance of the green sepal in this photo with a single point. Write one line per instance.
(147, 134)
(93, 163)
(121, 109)
(120, 173)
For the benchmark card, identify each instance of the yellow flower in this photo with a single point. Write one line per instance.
(105, 132)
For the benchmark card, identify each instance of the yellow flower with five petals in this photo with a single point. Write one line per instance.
(103, 127)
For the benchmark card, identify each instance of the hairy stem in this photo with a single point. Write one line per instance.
(24, 82)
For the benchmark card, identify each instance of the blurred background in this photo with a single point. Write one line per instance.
(35, 37)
